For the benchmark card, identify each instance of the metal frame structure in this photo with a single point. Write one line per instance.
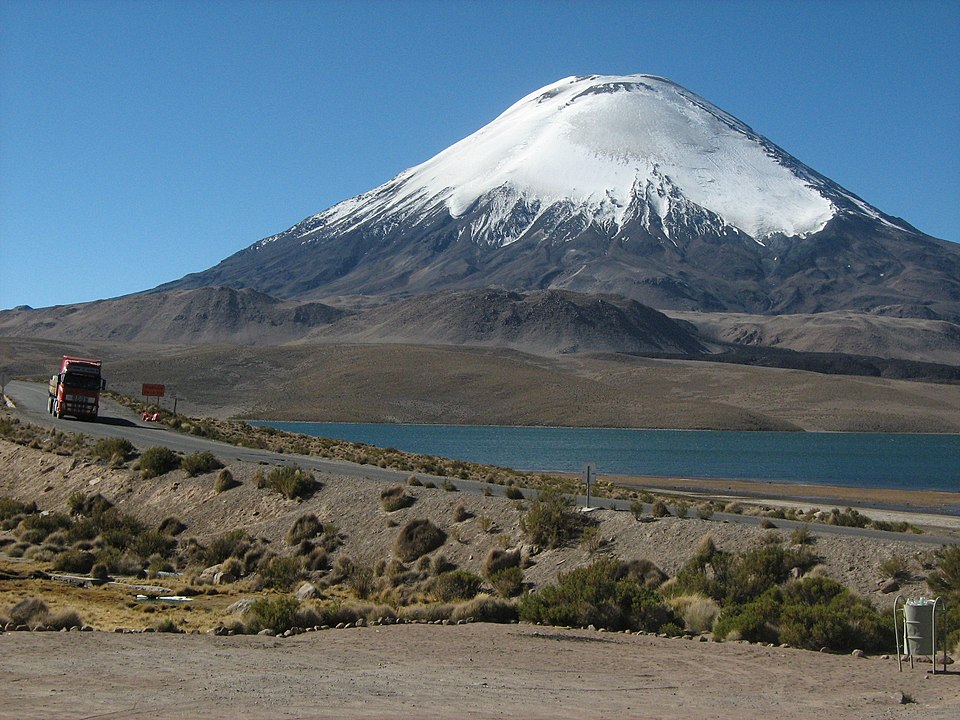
(911, 636)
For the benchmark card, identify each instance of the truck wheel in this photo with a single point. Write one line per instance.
(49, 405)
(58, 410)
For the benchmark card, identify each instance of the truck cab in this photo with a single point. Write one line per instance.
(75, 390)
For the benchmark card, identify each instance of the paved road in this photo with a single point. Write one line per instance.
(118, 421)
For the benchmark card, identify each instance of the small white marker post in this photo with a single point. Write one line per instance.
(589, 477)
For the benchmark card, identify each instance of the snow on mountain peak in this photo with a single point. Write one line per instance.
(605, 146)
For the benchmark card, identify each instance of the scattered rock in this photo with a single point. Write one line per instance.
(223, 578)
(267, 632)
(858, 653)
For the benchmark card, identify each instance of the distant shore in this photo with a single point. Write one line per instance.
(891, 502)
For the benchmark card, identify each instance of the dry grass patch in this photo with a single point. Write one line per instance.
(395, 498)
(417, 538)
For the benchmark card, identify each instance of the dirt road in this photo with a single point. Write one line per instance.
(476, 671)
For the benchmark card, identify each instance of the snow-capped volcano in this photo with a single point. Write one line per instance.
(609, 148)
(621, 184)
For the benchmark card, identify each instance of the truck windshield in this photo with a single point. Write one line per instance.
(81, 381)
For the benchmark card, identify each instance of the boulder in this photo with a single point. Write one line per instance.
(242, 606)
(307, 591)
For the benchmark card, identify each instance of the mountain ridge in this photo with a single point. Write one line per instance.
(624, 185)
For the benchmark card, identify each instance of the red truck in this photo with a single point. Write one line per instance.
(75, 390)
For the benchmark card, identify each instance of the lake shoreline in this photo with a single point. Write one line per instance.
(927, 502)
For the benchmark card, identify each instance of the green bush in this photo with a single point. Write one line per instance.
(455, 585)
(945, 578)
(292, 482)
(508, 581)
(158, 461)
(895, 567)
(79, 503)
(757, 570)
(76, 561)
(10, 508)
(231, 544)
(811, 613)
(153, 542)
(636, 509)
(36, 528)
(551, 520)
(601, 594)
(200, 463)
(279, 613)
(801, 535)
(113, 528)
(113, 450)
(395, 498)
(279, 572)
(417, 538)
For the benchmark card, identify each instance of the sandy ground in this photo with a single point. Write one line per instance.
(475, 671)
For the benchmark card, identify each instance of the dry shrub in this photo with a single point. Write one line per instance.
(485, 608)
(767, 524)
(498, 559)
(512, 492)
(659, 509)
(64, 619)
(417, 538)
(698, 611)
(430, 612)
(171, 526)
(292, 482)
(395, 498)
(460, 513)
(304, 527)
(27, 612)
(362, 582)
(645, 572)
(225, 481)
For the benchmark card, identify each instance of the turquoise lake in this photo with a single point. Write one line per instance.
(930, 462)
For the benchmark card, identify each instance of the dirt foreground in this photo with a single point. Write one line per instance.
(475, 671)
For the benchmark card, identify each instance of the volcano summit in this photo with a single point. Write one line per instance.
(626, 185)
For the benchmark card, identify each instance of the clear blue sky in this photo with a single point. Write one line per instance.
(141, 141)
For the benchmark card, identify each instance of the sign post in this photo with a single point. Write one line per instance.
(152, 390)
(589, 477)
